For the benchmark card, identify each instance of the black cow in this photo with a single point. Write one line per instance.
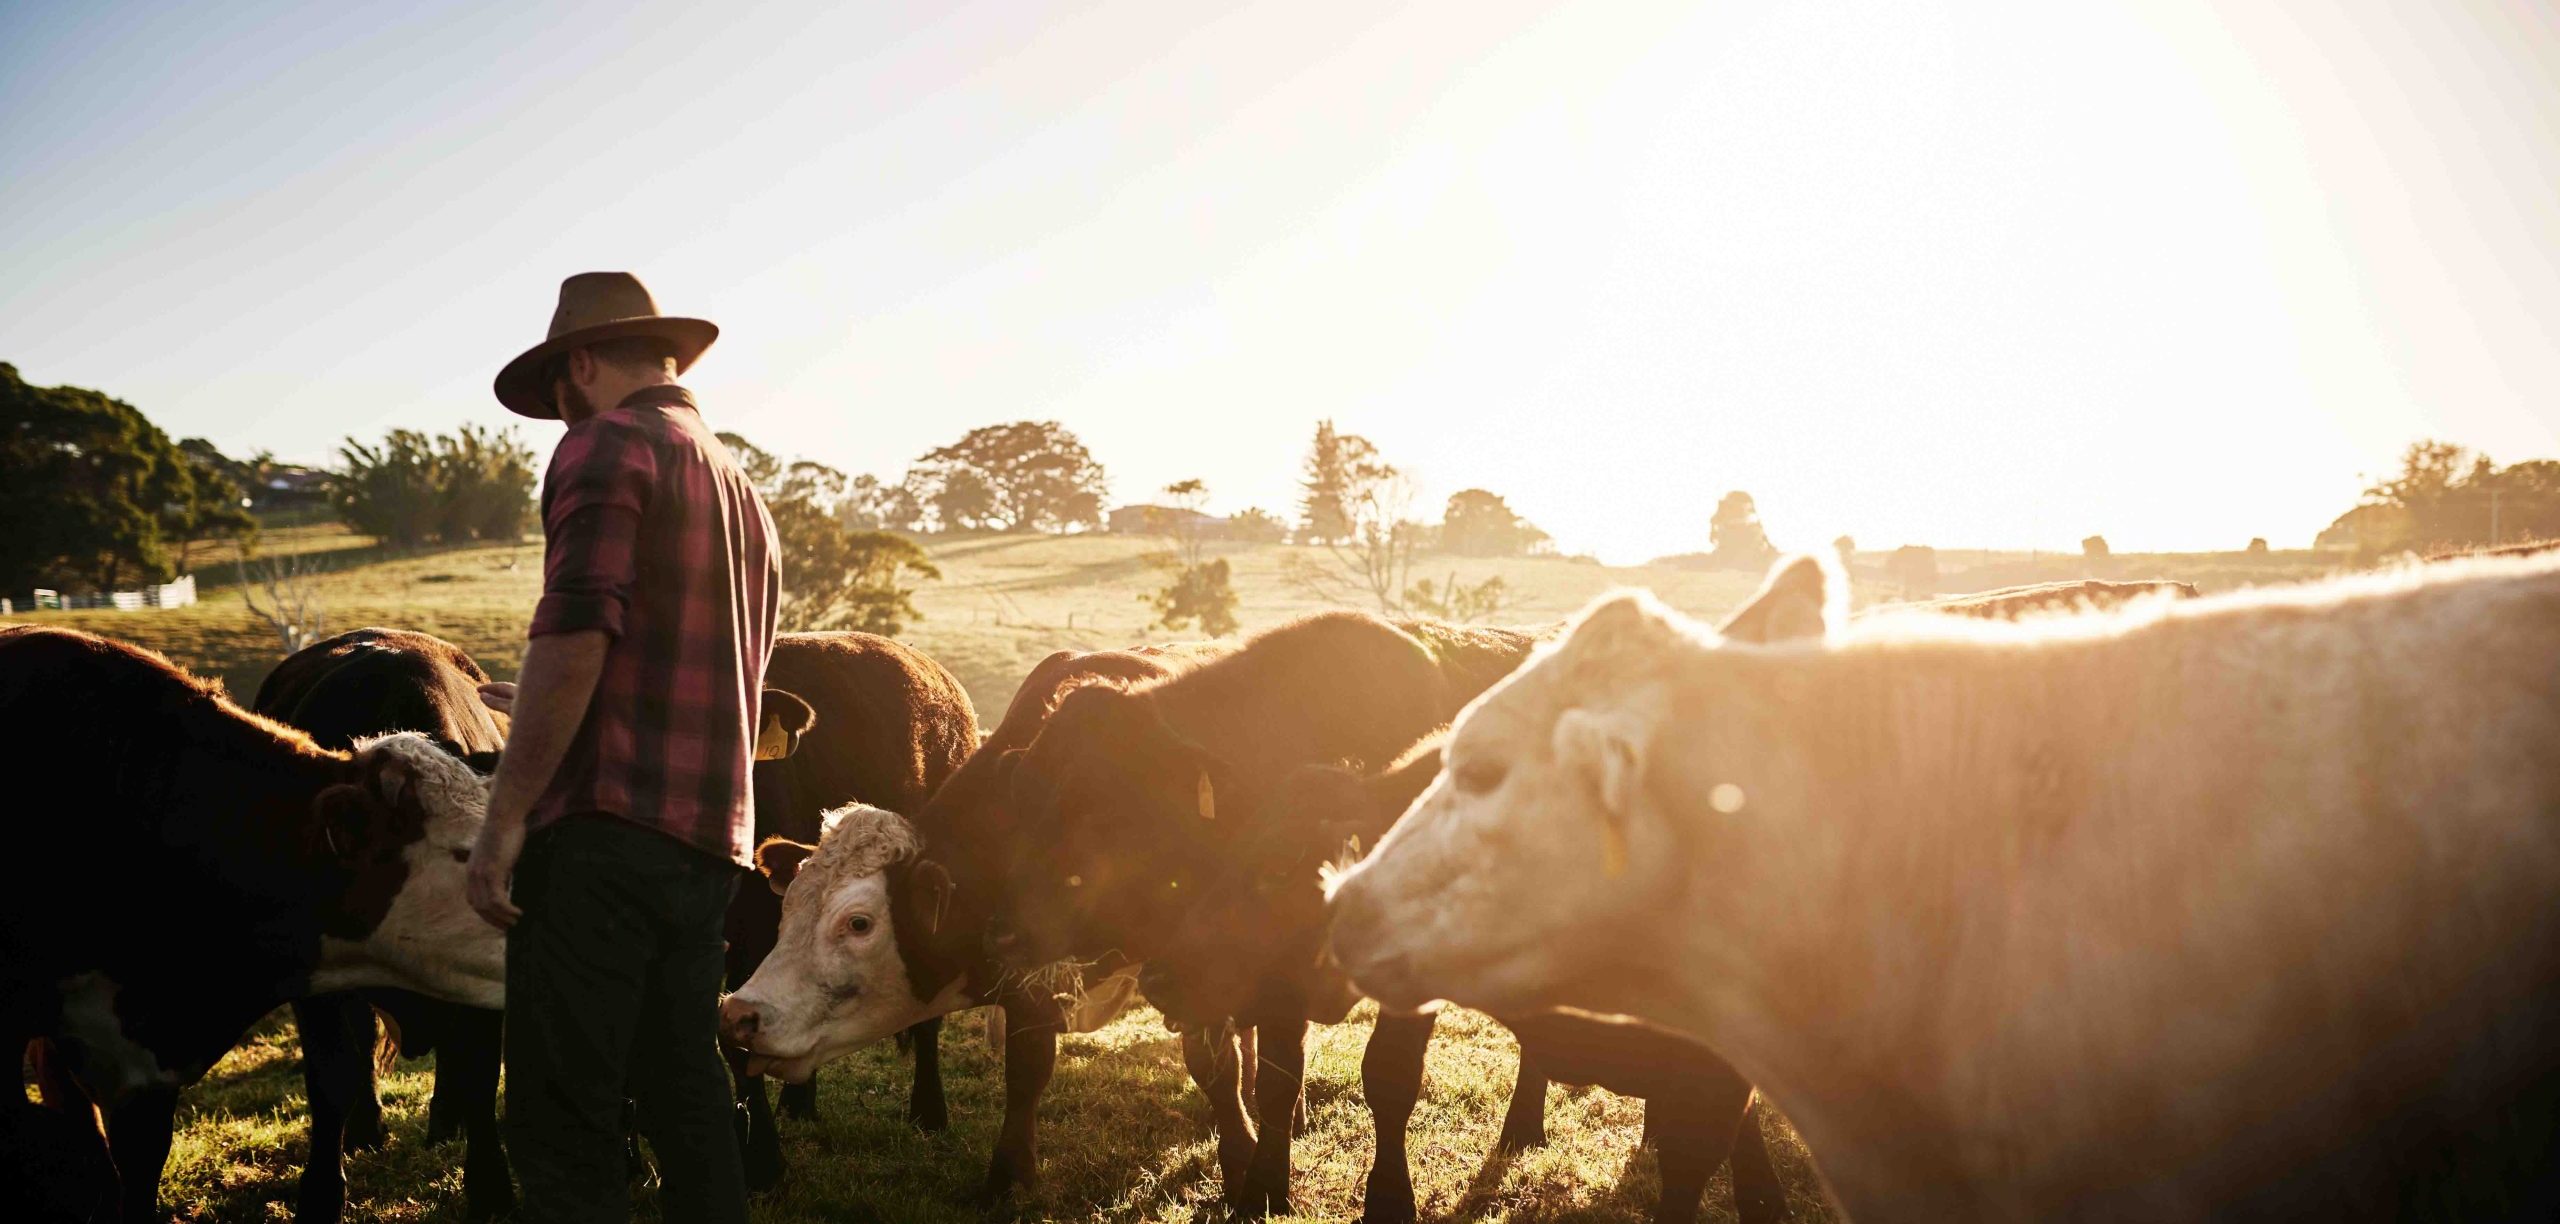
(361, 683)
(180, 868)
(807, 1005)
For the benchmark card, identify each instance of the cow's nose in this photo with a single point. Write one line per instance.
(740, 1020)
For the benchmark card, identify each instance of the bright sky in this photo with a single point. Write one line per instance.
(1965, 273)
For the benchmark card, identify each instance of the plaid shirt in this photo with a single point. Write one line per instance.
(652, 534)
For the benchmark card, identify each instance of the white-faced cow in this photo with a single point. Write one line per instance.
(2242, 907)
(877, 938)
(882, 724)
(180, 868)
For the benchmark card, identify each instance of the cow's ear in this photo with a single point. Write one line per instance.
(779, 858)
(1794, 603)
(1607, 751)
(343, 817)
(784, 719)
(932, 887)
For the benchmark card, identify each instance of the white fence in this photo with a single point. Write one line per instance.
(179, 594)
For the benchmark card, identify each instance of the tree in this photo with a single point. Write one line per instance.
(1201, 589)
(1375, 556)
(2446, 497)
(1454, 601)
(212, 506)
(1025, 476)
(1255, 525)
(869, 505)
(2257, 546)
(1478, 523)
(1848, 550)
(92, 493)
(834, 575)
(486, 481)
(1200, 593)
(475, 484)
(1734, 536)
(2095, 548)
(1324, 515)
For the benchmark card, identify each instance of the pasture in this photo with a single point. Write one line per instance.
(1124, 1136)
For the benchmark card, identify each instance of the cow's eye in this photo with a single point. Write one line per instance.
(1478, 776)
(859, 924)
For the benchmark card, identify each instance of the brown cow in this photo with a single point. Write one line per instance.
(876, 937)
(184, 867)
(1130, 802)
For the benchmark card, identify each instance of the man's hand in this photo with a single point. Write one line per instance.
(493, 868)
(499, 695)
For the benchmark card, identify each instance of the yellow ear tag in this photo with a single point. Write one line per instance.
(1208, 799)
(1613, 851)
(772, 742)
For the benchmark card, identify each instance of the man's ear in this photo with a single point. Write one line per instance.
(932, 887)
(784, 719)
(1607, 751)
(779, 858)
(1794, 603)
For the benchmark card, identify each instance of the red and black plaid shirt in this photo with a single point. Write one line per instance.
(652, 534)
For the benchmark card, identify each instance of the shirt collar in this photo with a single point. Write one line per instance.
(663, 395)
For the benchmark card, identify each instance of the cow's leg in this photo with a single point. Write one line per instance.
(1391, 1079)
(337, 1034)
(759, 1146)
(1249, 1067)
(798, 1102)
(467, 1080)
(1209, 1050)
(1266, 1184)
(1758, 1196)
(138, 1132)
(926, 1109)
(1030, 1057)
(1524, 1124)
(61, 1093)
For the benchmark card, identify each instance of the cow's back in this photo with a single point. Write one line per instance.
(892, 725)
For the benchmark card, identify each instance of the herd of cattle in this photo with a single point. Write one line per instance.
(2089, 900)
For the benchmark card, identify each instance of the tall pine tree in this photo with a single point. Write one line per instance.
(1322, 517)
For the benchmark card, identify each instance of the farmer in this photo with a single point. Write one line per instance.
(621, 807)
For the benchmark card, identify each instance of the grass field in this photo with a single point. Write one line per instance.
(1124, 1136)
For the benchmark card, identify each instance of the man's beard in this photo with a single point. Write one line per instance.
(574, 404)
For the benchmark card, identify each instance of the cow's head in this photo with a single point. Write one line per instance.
(1529, 865)
(402, 825)
(836, 979)
(1116, 828)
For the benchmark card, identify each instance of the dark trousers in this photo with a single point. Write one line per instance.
(613, 990)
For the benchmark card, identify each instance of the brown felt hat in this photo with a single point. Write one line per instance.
(597, 306)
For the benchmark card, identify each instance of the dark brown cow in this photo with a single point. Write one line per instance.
(892, 726)
(937, 959)
(183, 867)
(1131, 802)
(360, 683)
(1255, 942)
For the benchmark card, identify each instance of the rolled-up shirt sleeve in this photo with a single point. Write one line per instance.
(592, 499)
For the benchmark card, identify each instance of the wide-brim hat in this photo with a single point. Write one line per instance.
(597, 306)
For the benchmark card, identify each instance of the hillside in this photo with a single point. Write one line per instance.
(1006, 601)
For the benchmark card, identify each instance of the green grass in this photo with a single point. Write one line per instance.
(1124, 1135)
(1124, 1138)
